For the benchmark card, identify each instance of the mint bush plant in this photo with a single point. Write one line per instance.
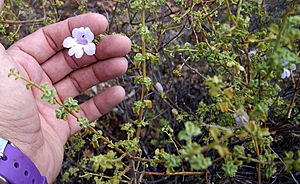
(213, 92)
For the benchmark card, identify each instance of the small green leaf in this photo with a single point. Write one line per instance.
(71, 104)
(49, 95)
(83, 121)
(230, 168)
(200, 162)
(61, 113)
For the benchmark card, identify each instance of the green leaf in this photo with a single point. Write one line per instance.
(230, 168)
(260, 112)
(83, 121)
(289, 161)
(215, 133)
(131, 146)
(222, 150)
(252, 38)
(129, 129)
(138, 59)
(199, 162)
(49, 95)
(103, 161)
(171, 161)
(190, 130)
(274, 28)
(144, 81)
(71, 104)
(238, 151)
(61, 113)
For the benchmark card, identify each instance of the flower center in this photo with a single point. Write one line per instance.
(82, 40)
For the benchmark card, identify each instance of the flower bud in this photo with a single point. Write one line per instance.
(159, 87)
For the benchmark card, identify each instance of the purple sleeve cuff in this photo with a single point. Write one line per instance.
(17, 168)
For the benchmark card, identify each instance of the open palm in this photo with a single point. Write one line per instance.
(30, 123)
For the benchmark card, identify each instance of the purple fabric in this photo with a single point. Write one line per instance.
(17, 168)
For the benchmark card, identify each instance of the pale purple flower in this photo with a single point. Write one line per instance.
(287, 71)
(285, 74)
(159, 87)
(80, 42)
(241, 117)
(253, 52)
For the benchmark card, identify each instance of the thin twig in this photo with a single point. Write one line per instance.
(172, 174)
(258, 165)
(292, 103)
(25, 21)
(295, 180)
(141, 111)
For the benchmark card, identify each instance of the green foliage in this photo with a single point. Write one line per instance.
(49, 95)
(131, 146)
(230, 168)
(106, 161)
(61, 113)
(190, 130)
(238, 151)
(78, 143)
(138, 105)
(70, 104)
(193, 154)
(170, 160)
(83, 121)
(260, 133)
(292, 163)
(269, 163)
(72, 172)
(144, 81)
(129, 129)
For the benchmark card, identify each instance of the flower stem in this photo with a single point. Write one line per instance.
(292, 103)
(173, 174)
(258, 165)
(230, 13)
(144, 71)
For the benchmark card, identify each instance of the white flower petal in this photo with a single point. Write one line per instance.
(293, 67)
(90, 49)
(286, 73)
(71, 51)
(285, 62)
(159, 87)
(69, 42)
(77, 32)
(78, 52)
(252, 52)
(88, 34)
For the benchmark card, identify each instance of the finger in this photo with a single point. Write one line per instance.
(98, 106)
(47, 41)
(84, 78)
(1, 4)
(60, 65)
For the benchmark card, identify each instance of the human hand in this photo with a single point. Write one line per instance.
(30, 123)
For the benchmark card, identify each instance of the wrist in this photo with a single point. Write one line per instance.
(16, 167)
